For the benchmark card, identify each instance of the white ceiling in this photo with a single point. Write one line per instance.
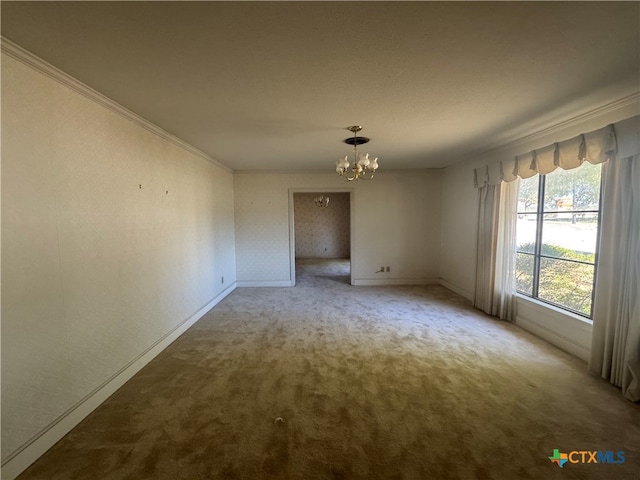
(273, 85)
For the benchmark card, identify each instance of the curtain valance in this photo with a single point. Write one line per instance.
(621, 139)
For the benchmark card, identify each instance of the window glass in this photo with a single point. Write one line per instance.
(577, 189)
(565, 283)
(528, 195)
(570, 235)
(524, 273)
(526, 232)
(561, 209)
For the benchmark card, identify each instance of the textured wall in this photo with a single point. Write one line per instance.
(95, 269)
(459, 229)
(396, 222)
(322, 232)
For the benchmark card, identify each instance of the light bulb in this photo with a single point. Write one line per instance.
(364, 160)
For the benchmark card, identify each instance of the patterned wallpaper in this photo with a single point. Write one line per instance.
(396, 222)
(322, 232)
(111, 237)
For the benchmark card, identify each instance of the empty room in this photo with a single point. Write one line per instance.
(320, 240)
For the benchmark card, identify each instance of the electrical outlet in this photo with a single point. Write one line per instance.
(388, 269)
(221, 279)
(382, 269)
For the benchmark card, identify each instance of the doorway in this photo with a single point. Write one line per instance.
(320, 225)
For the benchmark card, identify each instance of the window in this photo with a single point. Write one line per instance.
(556, 236)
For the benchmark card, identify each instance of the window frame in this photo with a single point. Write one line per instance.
(538, 255)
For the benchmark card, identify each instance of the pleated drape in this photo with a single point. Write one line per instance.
(495, 283)
(615, 350)
(594, 147)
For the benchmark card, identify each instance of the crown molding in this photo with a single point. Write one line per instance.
(18, 53)
(629, 102)
(616, 105)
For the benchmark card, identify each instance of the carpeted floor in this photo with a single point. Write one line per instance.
(339, 269)
(370, 382)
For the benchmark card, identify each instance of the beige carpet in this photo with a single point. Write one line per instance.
(338, 268)
(371, 382)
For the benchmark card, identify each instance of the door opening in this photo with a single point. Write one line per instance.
(321, 237)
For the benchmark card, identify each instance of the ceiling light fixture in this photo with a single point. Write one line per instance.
(363, 167)
(321, 201)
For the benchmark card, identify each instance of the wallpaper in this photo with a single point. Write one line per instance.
(111, 237)
(322, 232)
(395, 222)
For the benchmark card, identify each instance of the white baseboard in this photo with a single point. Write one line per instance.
(460, 291)
(267, 283)
(394, 281)
(42, 442)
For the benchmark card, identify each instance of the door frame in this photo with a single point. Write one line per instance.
(292, 230)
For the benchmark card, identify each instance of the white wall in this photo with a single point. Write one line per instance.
(322, 232)
(96, 272)
(458, 233)
(396, 223)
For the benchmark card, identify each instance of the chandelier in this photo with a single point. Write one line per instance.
(363, 167)
(321, 201)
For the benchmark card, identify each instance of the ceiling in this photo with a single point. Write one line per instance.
(273, 85)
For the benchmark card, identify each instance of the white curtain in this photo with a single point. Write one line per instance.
(615, 350)
(495, 281)
(504, 292)
(488, 202)
(593, 147)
